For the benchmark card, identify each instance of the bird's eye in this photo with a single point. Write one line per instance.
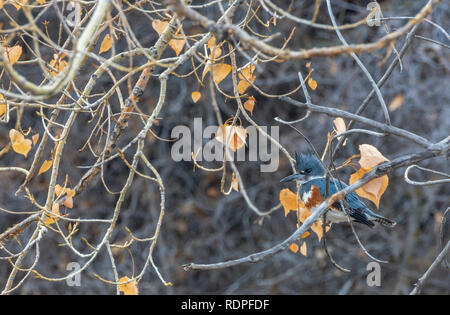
(308, 170)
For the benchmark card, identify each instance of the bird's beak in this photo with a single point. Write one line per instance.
(292, 177)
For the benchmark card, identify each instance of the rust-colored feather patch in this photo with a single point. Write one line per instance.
(314, 199)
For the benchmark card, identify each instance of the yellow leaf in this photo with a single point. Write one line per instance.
(370, 156)
(19, 143)
(1, 4)
(19, 3)
(14, 53)
(373, 190)
(159, 26)
(129, 288)
(206, 69)
(41, 1)
(58, 63)
(196, 96)
(2, 105)
(59, 191)
(247, 72)
(289, 200)
(211, 42)
(221, 70)
(250, 104)
(106, 44)
(312, 84)
(177, 45)
(308, 64)
(236, 136)
(243, 86)
(293, 247)
(397, 102)
(304, 249)
(246, 76)
(49, 219)
(217, 53)
(45, 166)
(234, 182)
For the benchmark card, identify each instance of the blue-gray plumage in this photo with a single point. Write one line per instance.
(311, 174)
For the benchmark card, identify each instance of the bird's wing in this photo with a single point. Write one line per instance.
(356, 208)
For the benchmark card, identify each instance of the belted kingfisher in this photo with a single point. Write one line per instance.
(311, 175)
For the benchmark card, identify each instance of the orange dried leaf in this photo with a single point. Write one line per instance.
(293, 247)
(45, 166)
(247, 72)
(68, 202)
(247, 77)
(35, 138)
(14, 53)
(370, 156)
(308, 64)
(177, 45)
(339, 127)
(235, 135)
(397, 102)
(19, 143)
(19, 3)
(304, 249)
(250, 104)
(288, 200)
(317, 229)
(70, 192)
(243, 86)
(373, 190)
(129, 288)
(217, 53)
(196, 96)
(211, 42)
(2, 105)
(58, 64)
(106, 44)
(206, 69)
(159, 26)
(59, 191)
(52, 219)
(221, 70)
(234, 182)
(312, 84)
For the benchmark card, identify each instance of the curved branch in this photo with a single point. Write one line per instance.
(74, 65)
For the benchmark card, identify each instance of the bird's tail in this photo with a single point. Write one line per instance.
(382, 220)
